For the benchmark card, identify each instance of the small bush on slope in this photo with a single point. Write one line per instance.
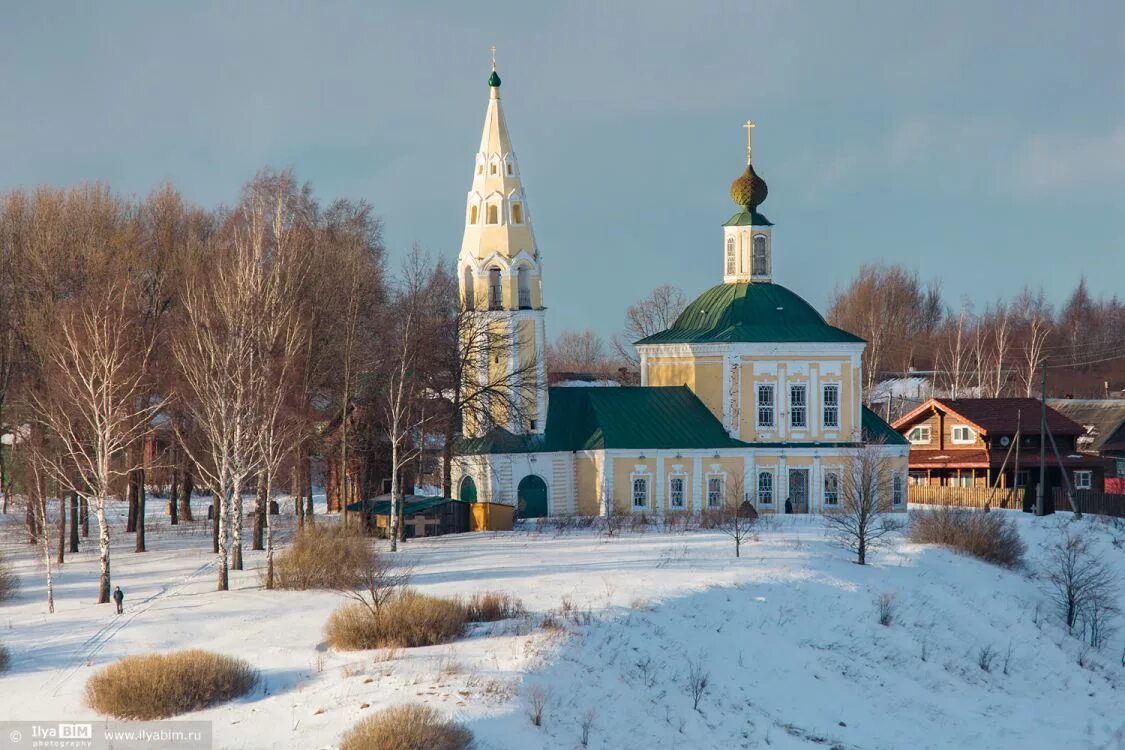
(408, 620)
(992, 537)
(407, 728)
(492, 606)
(156, 686)
(324, 557)
(9, 581)
(5, 660)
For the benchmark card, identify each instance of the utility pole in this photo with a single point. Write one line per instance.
(1040, 508)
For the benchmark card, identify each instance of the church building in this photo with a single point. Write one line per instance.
(750, 391)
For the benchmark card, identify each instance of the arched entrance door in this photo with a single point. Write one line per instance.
(468, 490)
(531, 497)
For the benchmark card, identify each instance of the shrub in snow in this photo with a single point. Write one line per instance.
(325, 557)
(1082, 587)
(992, 537)
(413, 727)
(492, 606)
(698, 678)
(9, 581)
(887, 608)
(538, 696)
(156, 686)
(5, 660)
(407, 620)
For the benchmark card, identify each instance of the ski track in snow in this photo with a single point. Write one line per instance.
(98, 640)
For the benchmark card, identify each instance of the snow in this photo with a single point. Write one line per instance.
(788, 635)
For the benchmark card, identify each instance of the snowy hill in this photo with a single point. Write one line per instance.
(787, 636)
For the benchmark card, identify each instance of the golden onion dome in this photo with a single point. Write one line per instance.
(749, 190)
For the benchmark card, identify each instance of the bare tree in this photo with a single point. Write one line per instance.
(404, 420)
(889, 308)
(217, 357)
(862, 521)
(1082, 586)
(656, 312)
(1034, 316)
(92, 403)
(583, 352)
(737, 517)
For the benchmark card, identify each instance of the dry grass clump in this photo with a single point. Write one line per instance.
(324, 557)
(492, 606)
(156, 686)
(412, 727)
(9, 581)
(407, 620)
(992, 537)
(5, 659)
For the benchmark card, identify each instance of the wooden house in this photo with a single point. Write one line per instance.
(1103, 420)
(995, 442)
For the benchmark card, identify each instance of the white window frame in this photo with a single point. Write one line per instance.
(716, 501)
(920, 429)
(962, 441)
(802, 409)
(771, 408)
(1083, 479)
(832, 499)
(898, 490)
(766, 499)
(682, 479)
(643, 479)
(830, 409)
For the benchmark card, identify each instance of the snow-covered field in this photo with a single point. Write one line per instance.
(788, 636)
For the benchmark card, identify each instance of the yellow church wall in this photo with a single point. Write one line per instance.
(586, 486)
(703, 375)
(750, 381)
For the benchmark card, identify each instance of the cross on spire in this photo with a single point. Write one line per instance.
(494, 57)
(749, 136)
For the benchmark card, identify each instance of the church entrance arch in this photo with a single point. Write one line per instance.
(531, 497)
(468, 490)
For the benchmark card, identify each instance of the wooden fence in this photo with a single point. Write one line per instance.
(1092, 502)
(965, 497)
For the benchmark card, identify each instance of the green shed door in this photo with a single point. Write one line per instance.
(532, 497)
(468, 490)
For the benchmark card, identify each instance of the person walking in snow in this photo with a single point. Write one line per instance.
(788, 505)
(119, 599)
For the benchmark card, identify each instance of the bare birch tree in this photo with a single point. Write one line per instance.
(92, 405)
(862, 522)
(656, 312)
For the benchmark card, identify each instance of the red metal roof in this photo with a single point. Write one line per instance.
(997, 415)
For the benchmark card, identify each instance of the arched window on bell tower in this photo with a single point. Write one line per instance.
(470, 290)
(730, 256)
(495, 289)
(523, 278)
(761, 265)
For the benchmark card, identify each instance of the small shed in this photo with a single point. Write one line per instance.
(423, 516)
(490, 517)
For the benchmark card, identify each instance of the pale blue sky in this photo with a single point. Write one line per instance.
(983, 143)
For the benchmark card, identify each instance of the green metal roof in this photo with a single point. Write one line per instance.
(380, 507)
(607, 418)
(755, 312)
(875, 429)
(748, 219)
(494, 80)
